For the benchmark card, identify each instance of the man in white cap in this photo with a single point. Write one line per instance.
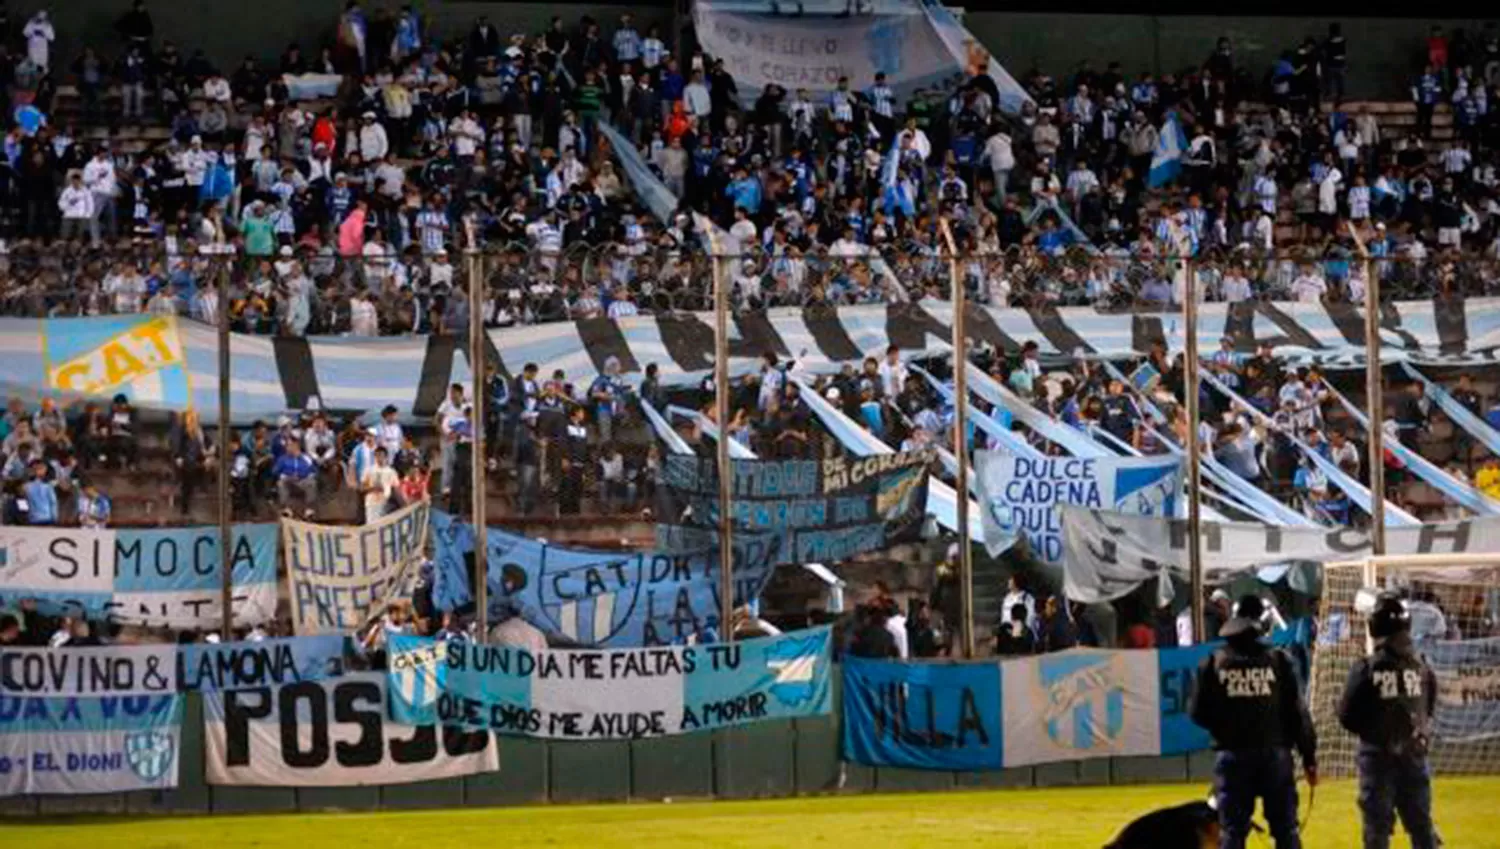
(373, 144)
(1214, 617)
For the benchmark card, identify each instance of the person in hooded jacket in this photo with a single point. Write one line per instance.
(1388, 704)
(1248, 698)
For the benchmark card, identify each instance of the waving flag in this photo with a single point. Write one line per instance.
(897, 191)
(1166, 160)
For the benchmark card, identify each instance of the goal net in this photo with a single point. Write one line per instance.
(1454, 600)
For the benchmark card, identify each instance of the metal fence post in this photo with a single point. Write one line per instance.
(476, 424)
(961, 445)
(1194, 477)
(726, 470)
(226, 509)
(1375, 395)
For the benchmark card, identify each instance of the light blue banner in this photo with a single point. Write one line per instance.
(922, 715)
(602, 598)
(210, 667)
(72, 745)
(1046, 708)
(610, 694)
(1468, 675)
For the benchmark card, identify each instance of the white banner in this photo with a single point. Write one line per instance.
(1021, 495)
(163, 577)
(1079, 704)
(1110, 554)
(814, 51)
(339, 576)
(108, 671)
(80, 745)
(331, 733)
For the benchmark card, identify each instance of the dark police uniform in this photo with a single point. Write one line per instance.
(1387, 703)
(1248, 698)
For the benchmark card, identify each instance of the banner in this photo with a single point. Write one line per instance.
(1109, 554)
(138, 356)
(331, 733)
(1468, 677)
(338, 577)
(111, 744)
(621, 694)
(167, 577)
(922, 715)
(413, 372)
(1078, 704)
(104, 671)
(209, 667)
(1066, 706)
(613, 599)
(1021, 495)
(829, 510)
(815, 51)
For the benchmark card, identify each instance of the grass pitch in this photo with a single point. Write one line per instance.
(1064, 819)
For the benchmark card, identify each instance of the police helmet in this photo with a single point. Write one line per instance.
(1249, 616)
(1390, 616)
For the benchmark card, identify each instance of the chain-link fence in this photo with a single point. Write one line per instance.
(303, 291)
(573, 441)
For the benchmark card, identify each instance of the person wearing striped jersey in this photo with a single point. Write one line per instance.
(882, 106)
(432, 226)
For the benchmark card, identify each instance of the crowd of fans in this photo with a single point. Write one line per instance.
(348, 183)
(347, 188)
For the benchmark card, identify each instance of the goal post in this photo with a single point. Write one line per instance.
(1454, 600)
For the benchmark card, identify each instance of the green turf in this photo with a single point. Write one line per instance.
(1085, 817)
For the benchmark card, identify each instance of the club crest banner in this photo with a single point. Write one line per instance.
(605, 598)
(1022, 496)
(168, 577)
(618, 694)
(73, 744)
(339, 577)
(984, 715)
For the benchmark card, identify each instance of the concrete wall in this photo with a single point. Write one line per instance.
(768, 759)
(1384, 53)
(227, 31)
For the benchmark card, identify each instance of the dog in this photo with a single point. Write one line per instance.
(1191, 826)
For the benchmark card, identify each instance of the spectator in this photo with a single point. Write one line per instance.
(93, 508)
(192, 457)
(1014, 637)
(378, 486)
(39, 495)
(296, 477)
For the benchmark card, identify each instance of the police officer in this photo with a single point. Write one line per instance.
(1248, 698)
(1387, 703)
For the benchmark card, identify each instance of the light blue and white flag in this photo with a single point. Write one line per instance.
(1022, 495)
(111, 744)
(610, 694)
(1166, 160)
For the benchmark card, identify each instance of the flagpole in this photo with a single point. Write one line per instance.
(961, 445)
